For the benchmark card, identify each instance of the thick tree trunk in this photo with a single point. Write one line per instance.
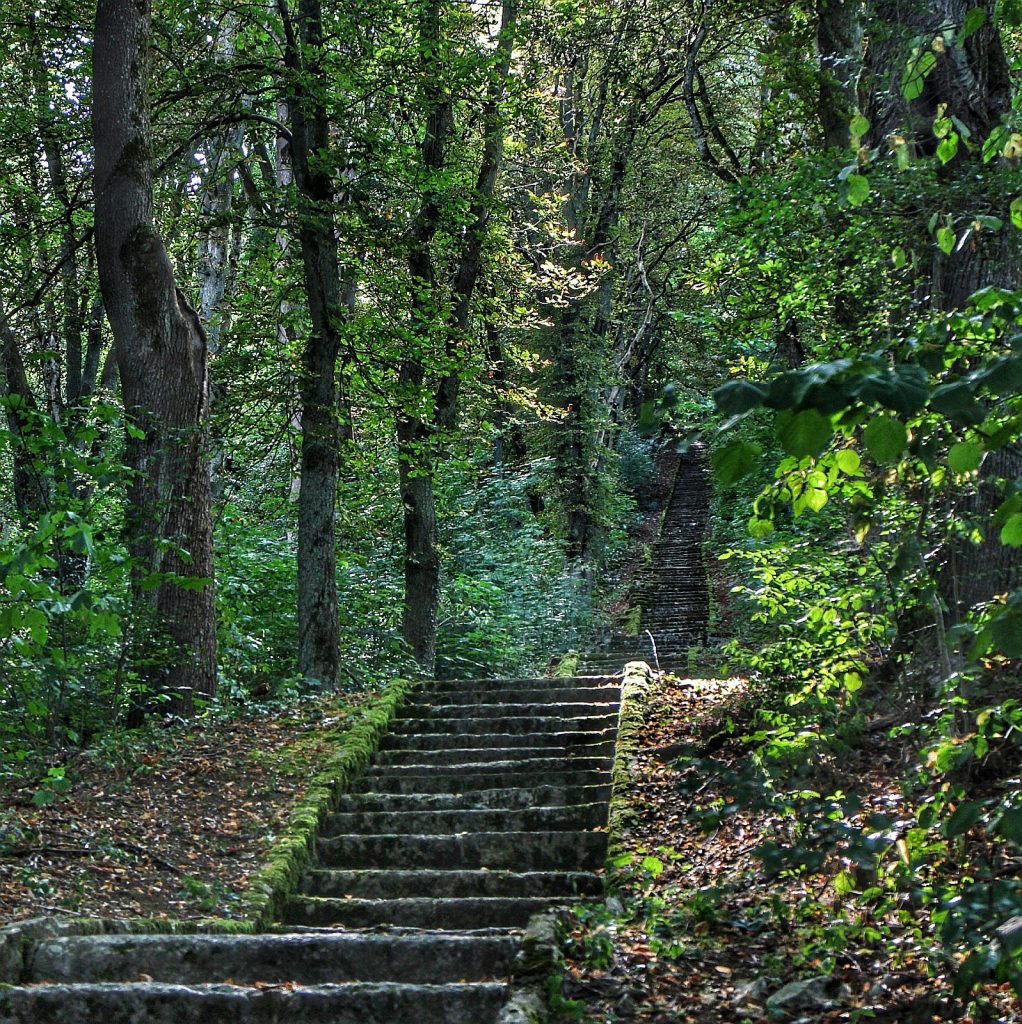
(839, 44)
(161, 357)
(318, 624)
(30, 486)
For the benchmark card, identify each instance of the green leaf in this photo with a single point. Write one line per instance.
(760, 528)
(815, 498)
(859, 126)
(734, 461)
(739, 396)
(898, 257)
(848, 461)
(965, 456)
(858, 189)
(948, 148)
(966, 815)
(1006, 632)
(886, 438)
(975, 19)
(913, 79)
(1016, 212)
(1010, 825)
(803, 433)
(946, 239)
(1011, 532)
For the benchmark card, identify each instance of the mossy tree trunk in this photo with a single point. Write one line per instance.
(161, 356)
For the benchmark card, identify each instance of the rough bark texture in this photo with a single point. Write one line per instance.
(161, 356)
(318, 626)
(839, 43)
(973, 79)
(30, 487)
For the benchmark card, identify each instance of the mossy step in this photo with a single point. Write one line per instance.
(547, 695)
(421, 912)
(454, 713)
(371, 883)
(383, 780)
(150, 1003)
(507, 799)
(482, 756)
(476, 762)
(521, 682)
(527, 850)
(498, 740)
(510, 723)
(580, 817)
(272, 959)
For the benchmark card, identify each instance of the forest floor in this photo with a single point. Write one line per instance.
(167, 822)
(697, 931)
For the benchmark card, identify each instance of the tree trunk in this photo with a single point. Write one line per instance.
(839, 41)
(415, 430)
(161, 356)
(318, 624)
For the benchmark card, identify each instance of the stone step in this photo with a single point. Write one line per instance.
(512, 723)
(428, 958)
(495, 740)
(150, 1003)
(532, 695)
(475, 754)
(383, 780)
(537, 851)
(454, 713)
(527, 682)
(505, 799)
(371, 883)
(477, 762)
(420, 912)
(533, 819)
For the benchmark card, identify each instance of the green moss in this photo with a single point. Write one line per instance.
(635, 688)
(270, 887)
(567, 667)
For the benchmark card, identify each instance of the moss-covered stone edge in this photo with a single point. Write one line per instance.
(636, 686)
(285, 861)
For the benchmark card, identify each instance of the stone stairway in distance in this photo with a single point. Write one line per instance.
(486, 804)
(672, 594)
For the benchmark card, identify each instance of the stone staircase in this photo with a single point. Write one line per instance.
(484, 806)
(673, 594)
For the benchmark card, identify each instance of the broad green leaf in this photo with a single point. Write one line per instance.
(848, 461)
(946, 239)
(853, 682)
(803, 433)
(815, 498)
(975, 19)
(898, 257)
(858, 189)
(948, 148)
(1011, 532)
(1010, 825)
(738, 396)
(1006, 632)
(734, 461)
(966, 815)
(760, 528)
(859, 126)
(913, 79)
(886, 438)
(965, 456)
(1016, 212)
